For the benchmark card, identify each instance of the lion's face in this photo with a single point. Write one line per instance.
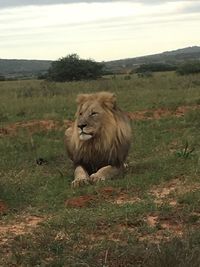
(93, 113)
(89, 119)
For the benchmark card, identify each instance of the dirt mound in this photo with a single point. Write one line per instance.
(109, 194)
(80, 202)
(87, 200)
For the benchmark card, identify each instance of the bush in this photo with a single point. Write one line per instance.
(153, 67)
(189, 68)
(42, 76)
(146, 74)
(72, 68)
(2, 78)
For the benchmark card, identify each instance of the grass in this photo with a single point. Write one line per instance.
(40, 99)
(115, 228)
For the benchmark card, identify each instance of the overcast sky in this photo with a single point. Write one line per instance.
(101, 30)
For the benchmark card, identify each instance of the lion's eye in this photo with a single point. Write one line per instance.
(94, 113)
(80, 113)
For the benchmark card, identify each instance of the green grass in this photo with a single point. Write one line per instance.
(103, 233)
(22, 100)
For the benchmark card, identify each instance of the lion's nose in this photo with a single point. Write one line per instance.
(81, 126)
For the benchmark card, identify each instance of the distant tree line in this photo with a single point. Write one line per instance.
(155, 67)
(185, 68)
(72, 68)
(189, 68)
(2, 78)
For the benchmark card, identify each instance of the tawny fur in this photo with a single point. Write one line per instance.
(111, 136)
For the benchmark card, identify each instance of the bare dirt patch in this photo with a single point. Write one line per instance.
(168, 192)
(24, 226)
(80, 202)
(173, 226)
(152, 220)
(3, 207)
(163, 229)
(118, 196)
(163, 223)
(123, 199)
(87, 200)
(47, 125)
(34, 126)
(161, 113)
(160, 236)
(109, 194)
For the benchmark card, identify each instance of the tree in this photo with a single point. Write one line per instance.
(153, 67)
(189, 68)
(72, 68)
(2, 78)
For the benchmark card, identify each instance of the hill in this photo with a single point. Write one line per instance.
(31, 68)
(23, 68)
(171, 57)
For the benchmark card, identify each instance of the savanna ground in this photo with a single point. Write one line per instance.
(150, 217)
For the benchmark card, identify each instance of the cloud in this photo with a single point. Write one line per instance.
(18, 3)
(192, 8)
(104, 30)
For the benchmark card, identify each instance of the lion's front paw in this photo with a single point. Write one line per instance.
(80, 181)
(96, 177)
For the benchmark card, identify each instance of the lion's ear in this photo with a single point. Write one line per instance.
(81, 98)
(108, 99)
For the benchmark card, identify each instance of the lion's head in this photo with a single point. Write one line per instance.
(101, 133)
(93, 113)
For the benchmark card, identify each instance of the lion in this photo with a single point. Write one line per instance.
(99, 139)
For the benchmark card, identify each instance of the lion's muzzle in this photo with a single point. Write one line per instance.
(84, 136)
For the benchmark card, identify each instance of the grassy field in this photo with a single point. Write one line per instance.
(148, 218)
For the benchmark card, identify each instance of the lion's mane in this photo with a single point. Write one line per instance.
(111, 145)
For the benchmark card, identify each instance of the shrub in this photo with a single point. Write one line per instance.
(2, 78)
(153, 67)
(189, 68)
(146, 74)
(72, 68)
